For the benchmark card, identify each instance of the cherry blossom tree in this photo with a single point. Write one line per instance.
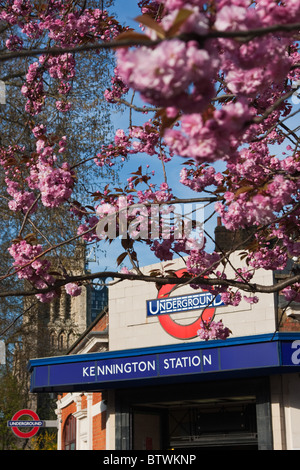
(48, 225)
(215, 83)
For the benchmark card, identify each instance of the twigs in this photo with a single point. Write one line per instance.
(245, 35)
(250, 287)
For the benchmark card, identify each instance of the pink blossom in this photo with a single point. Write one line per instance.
(55, 184)
(268, 258)
(73, 289)
(292, 293)
(14, 43)
(125, 270)
(22, 200)
(231, 298)
(213, 330)
(63, 106)
(202, 263)
(251, 300)
(34, 269)
(231, 17)
(157, 73)
(162, 249)
(213, 139)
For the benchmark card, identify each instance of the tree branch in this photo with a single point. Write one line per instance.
(160, 281)
(246, 35)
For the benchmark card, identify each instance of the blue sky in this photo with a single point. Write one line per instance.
(127, 10)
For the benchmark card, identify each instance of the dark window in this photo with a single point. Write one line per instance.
(61, 342)
(70, 434)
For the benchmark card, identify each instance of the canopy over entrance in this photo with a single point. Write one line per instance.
(212, 360)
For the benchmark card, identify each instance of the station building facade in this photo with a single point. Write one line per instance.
(140, 378)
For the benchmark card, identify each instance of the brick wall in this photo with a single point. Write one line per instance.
(99, 421)
(97, 397)
(99, 425)
(102, 324)
(66, 412)
(289, 324)
(99, 431)
(99, 324)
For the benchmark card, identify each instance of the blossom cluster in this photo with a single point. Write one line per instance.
(21, 200)
(157, 74)
(210, 329)
(117, 90)
(46, 177)
(64, 27)
(215, 138)
(32, 268)
(140, 139)
(270, 187)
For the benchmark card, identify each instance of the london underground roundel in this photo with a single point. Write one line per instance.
(35, 423)
(175, 329)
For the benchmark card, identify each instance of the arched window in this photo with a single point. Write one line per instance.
(61, 342)
(71, 339)
(68, 307)
(55, 308)
(70, 434)
(52, 340)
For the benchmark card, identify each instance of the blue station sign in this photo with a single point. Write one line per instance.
(98, 371)
(183, 303)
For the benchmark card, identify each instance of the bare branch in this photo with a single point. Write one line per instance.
(245, 35)
(160, 281)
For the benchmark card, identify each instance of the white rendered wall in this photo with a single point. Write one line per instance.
(291, 400)
(129, 326)
(285, 409)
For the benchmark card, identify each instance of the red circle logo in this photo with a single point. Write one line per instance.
(182, 331)
(35, 423)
